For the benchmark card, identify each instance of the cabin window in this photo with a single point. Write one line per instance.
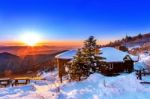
(66, 67)
(103, 65)
(111, 66)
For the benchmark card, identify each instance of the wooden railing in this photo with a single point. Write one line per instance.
(141, 73)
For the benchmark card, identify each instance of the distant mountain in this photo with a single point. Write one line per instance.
(16, 64)
(27, 50)
(9, 62)
(131, 42)
(6, 55)
(138, 40)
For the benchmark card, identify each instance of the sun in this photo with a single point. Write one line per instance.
(30, 39)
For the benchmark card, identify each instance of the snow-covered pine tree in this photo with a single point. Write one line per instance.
(90, 56)
(76, 66)
(86, 61)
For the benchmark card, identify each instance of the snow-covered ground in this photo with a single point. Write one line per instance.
(144, 61)
(96, 86)
(100, 87)
(145, 58)
(42, 89)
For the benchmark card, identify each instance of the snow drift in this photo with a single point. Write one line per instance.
(98, 86)
(144, 62)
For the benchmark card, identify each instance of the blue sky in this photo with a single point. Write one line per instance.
(74, 19)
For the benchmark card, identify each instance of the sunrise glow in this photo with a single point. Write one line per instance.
(30, 39)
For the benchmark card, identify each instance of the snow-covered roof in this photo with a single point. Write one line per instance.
(114, 55)
(67, 55)
(111, 54)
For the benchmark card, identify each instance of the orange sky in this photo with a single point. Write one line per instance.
(49, 43)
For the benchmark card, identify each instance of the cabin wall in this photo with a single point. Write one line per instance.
(108, 68)
(117, 67)
(61, 67)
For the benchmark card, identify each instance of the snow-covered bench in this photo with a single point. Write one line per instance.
(5, 82)
(21, 81)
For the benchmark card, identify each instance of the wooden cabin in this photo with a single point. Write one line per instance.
(116, 61)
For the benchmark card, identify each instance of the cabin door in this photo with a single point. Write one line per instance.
(128, 66)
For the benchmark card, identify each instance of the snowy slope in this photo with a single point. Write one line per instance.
(47, 89)
(96, 86)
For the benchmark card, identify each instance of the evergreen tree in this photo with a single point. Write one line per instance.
(90, 56)
(86, 61)
(128, 38)
(139, 36)
(76, 66)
